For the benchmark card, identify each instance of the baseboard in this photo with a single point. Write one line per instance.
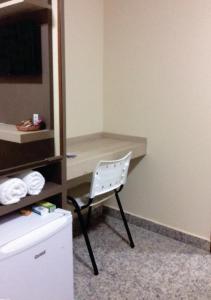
(161, 229)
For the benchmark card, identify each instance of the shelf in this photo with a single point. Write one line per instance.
(20, 6)
(29, 166)
(11, 134)
(49, 190)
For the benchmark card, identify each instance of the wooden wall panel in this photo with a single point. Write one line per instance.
(13, 154)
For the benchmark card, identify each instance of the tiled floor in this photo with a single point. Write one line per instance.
(157, 268)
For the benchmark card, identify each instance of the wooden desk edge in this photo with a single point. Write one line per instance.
(123, 137)
(98, 135)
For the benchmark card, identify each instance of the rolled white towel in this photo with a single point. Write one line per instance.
(34, 182)
(12, 190)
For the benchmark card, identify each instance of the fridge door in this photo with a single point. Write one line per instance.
(42, 269)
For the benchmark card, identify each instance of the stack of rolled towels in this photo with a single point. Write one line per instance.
(13, 189)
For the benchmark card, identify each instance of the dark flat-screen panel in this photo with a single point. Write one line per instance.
(20, 49)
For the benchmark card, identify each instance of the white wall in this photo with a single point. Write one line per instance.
(84, 66)
(157, 84)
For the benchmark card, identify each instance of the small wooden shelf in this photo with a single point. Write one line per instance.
(49, 190)
(20, 6)
(11, 134)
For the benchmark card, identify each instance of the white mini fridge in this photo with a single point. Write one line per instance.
(36, 261)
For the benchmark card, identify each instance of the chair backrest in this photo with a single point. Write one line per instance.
(109, 175)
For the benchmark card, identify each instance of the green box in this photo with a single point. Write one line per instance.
(50, 206)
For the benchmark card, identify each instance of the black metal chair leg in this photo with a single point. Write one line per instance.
(83, 228)
(88, 217)
(84, 231)
(124, 220)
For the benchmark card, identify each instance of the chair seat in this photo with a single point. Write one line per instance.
(81, 201)
(84, 199)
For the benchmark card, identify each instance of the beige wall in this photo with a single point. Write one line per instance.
(157, 68)
(84, 66)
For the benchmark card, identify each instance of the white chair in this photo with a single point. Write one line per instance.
(108, 176)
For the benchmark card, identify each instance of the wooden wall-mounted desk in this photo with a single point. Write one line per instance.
(90, 149)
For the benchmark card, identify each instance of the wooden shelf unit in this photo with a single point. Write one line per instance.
(52, 168)
(20, 6)
(49, 190)
(11, 134)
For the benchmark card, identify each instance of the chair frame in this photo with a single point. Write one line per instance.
(84, 224)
